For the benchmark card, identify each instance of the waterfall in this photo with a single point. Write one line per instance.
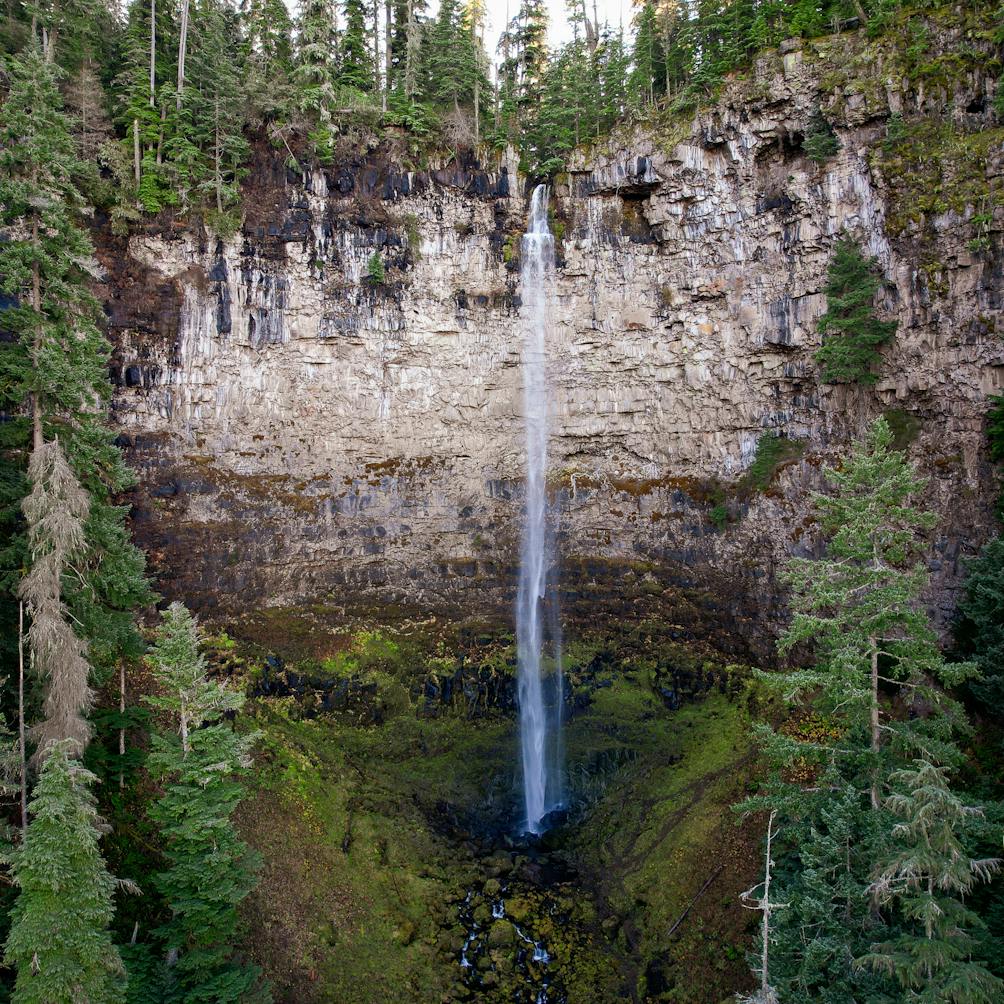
(540, 698)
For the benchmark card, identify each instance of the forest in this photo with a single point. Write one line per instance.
(135, 731)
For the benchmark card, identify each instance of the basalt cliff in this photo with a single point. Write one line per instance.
(306, 429)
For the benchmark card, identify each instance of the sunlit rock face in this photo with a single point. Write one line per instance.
(305, 433)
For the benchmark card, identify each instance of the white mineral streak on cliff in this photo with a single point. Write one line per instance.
(380, 430)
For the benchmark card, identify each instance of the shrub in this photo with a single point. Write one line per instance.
(375, 273)
(820, 141)
(852, 332)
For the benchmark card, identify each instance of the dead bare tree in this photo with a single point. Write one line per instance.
(55, 508)
(766, 994)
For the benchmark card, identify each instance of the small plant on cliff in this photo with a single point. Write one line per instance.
(852, 333)
(772, 451)
(375, 273)
(820, 141)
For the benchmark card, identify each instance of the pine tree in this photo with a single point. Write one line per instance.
(981, 627)
(59, 940)
(54, 371)
(198, 759)
(926, 875)
(852, 334)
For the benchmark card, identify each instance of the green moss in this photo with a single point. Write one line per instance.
(904, 427)
(933, 166)
(772, 453)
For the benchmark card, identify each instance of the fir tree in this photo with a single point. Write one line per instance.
(832, 844)
(198, 760)
(315, 74)
(852, 334)
(981, 627)
(267, 58)
(926, 876)
(860, 605)
(55, 370)
(59, 940)
(355, 67)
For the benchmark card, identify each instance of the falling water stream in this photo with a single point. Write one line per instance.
(540, 696)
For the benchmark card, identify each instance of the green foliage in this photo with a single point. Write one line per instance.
(820, 141)
(719, 515)
(198, 760)
(926, 872)
(375, 272)
(772, 451)
(980, 629)
(58, 357)
(59, 940)
(870, 819)
(853, 335)
(995, 428)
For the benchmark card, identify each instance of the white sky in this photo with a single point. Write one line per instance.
(613, 11)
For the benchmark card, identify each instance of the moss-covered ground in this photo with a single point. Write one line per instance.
(373, 834)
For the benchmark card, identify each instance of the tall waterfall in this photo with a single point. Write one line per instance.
(537, 627)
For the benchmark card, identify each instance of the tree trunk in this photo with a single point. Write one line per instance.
(135, 149)
(20, 719)
(182, 48)
(764, 980)
(376, 45)
(153, 53)
(387, 32)
(36, 304)
(409, 46)
(122, 744)
(160, 135)
(876, 737)
(219, 173)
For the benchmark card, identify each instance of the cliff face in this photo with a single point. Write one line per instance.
(303, 434)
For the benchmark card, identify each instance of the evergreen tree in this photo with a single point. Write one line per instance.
(197, 759)
(59, 940)
(217, 102)
(649, 64)
(860, 607)
(926, 875)
(267, 58)
(981, 627)
(853, 335)
(315, 74)
(829, 921)
(355, 67)
(55, 368)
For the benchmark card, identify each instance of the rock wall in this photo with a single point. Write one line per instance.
(304, 434)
